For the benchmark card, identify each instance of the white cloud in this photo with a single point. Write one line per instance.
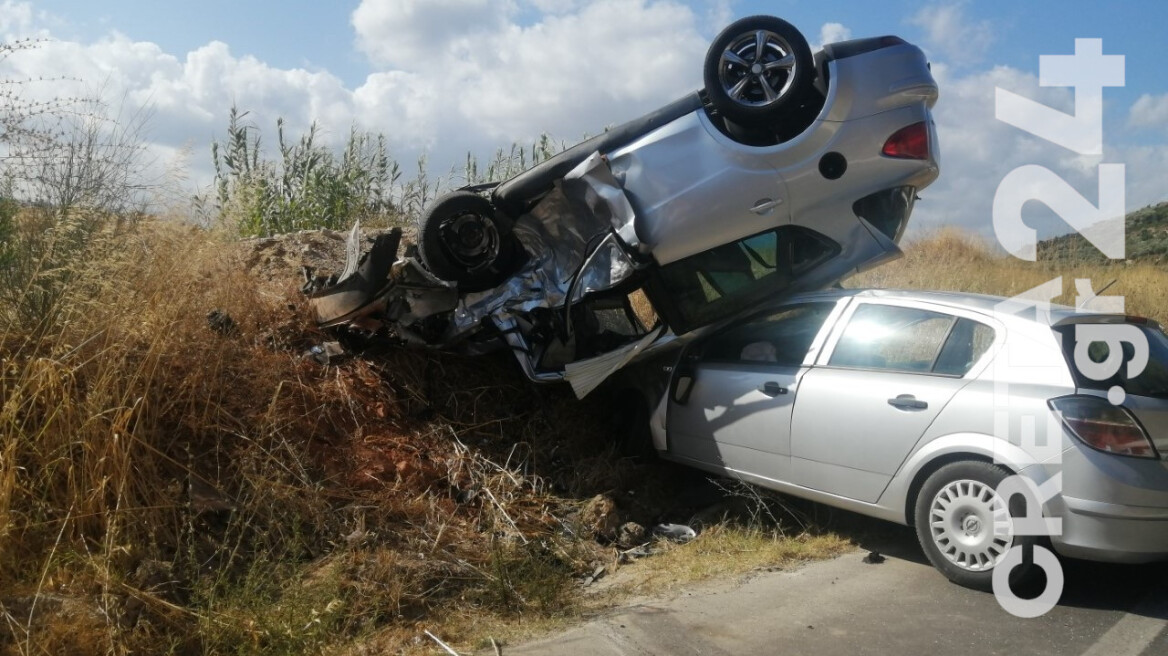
(952, 34)
(977, 151)
(16, 20)
(1150, 111)
(555, 6)
(833, 32)
(572, 71)
(454, 76)
(427, 34)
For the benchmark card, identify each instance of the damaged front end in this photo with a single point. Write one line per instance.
(566, 313)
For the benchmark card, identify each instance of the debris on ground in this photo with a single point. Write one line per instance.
(600, 517)
(630, 534)
(675, 532)
(873, 558)
(325, 353)
(594, 576)
(222, 323)
(281, 258)
(639, 551)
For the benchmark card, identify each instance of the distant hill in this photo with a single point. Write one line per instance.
(1147, 240)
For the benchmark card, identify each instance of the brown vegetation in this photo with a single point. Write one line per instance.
(952, 260)
(170, 483)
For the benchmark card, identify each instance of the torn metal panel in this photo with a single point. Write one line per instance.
(356, 294)
(587, 375)
(606, 267)
(598, 193)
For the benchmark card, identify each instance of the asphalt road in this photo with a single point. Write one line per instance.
(901, 606)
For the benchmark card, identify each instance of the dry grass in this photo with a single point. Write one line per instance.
(952, 260)
(727, 550)
(168, 487)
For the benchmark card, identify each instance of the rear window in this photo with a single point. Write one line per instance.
(1152, 381)
(726, 280)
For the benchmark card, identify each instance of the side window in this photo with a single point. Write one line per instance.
(968, 341)
(908, 339)
(782, 338)
(725, 280)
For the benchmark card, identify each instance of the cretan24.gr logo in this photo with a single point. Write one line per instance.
(1087, 71)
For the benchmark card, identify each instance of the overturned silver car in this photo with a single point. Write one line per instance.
(787, 172)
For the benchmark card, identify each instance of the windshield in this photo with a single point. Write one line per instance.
(1152, 381)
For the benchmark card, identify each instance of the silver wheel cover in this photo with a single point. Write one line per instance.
(970, 525)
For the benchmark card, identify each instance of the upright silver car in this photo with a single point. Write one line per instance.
(914, 406)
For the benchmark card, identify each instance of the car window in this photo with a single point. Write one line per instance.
(782, 338)
(904, 339)
(967, 342)
(728, 279)
(1151, 381)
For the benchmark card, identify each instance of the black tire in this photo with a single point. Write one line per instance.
(756, 97)
(464, 241)
(938, 543)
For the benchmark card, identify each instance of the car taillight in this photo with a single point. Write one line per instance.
(911, 142)
(1103, 426)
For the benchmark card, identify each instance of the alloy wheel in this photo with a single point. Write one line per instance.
(757, 68)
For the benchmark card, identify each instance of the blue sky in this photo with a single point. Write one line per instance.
(522, 67)
(319, 35)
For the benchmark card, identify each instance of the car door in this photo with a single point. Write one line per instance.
(884, 376)
(731, 396)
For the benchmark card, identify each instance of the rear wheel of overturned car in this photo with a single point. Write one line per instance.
(757, 69)
(463, 240)
(963, 524)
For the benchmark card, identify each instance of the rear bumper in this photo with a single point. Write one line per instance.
(1113, 533)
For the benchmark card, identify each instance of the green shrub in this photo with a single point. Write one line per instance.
(308, 187)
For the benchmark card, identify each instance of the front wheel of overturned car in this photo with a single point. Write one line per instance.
(757, 69)
(463, 240)
(963, 524)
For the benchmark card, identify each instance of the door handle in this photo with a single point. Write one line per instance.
(765, 205)
(908, 402)
(771, 388)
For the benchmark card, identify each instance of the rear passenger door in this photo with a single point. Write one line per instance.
(880, 382)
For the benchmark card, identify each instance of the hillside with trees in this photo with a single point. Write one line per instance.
(1146, 234)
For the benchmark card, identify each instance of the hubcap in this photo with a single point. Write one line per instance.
(471, 240)
(970, 525)
(757, 68)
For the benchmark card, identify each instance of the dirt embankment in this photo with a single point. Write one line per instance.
(176, 482)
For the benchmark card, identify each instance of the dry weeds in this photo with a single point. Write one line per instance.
(167, 486)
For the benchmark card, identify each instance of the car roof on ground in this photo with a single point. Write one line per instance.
(989, 304)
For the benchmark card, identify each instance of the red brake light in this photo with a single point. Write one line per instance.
(910, 142)
(1103, 426)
